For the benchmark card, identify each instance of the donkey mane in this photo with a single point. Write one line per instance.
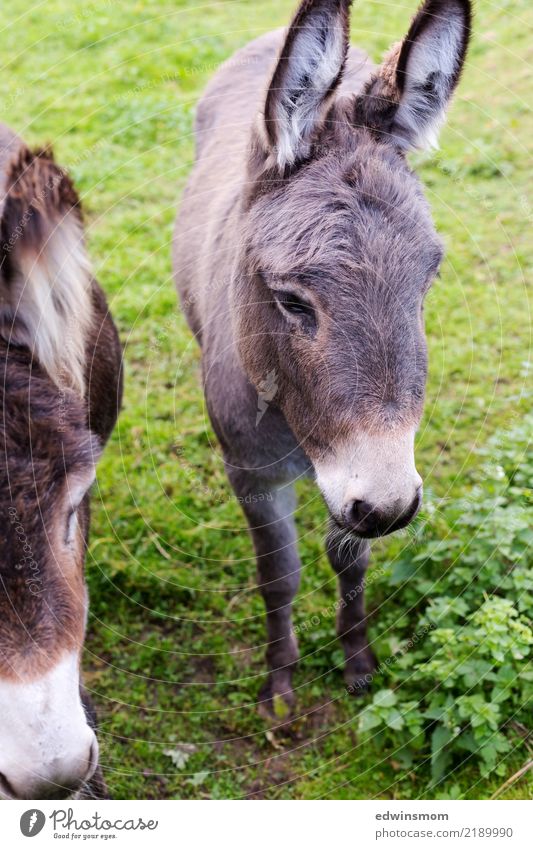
(46, 282)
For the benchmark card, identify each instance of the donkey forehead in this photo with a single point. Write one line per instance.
(365, 208)
(43, 434)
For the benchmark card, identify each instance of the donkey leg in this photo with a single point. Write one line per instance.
(350, 562)
(270, 516)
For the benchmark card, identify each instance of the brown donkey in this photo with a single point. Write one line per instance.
(60, 362)
(303, 252)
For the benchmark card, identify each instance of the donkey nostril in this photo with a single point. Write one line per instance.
(416, 503)
(6, 788)
(357, 512)
(93, 760)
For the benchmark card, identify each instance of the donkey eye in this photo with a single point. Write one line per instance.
(72, 524)
(295, 305)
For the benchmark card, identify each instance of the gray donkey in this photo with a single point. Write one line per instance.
(302, 253)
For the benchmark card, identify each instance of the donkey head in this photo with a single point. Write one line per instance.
(47, 464)
(339, 251)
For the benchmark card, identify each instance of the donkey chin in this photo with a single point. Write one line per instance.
(370, 484)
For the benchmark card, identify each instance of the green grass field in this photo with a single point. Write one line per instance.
(174, 654)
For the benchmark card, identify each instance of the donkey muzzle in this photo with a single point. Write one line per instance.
(370, 483)
(47, 748)
(367, 520)
(57, 781)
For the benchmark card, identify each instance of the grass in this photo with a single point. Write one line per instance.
(175, 645)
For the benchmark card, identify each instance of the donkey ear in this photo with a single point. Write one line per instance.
(45, 275)
(308, 71)
(411, 91)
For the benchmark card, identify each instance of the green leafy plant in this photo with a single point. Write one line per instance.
(454, 692)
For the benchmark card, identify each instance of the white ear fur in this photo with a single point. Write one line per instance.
(52, 297)
(310, 64)
(430, 76)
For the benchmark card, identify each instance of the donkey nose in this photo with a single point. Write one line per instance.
(57, 782)
(359, 514)
(370, 520)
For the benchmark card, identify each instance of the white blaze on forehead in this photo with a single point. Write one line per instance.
(44, 736)
(376, 468)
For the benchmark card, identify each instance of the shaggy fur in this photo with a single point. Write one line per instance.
(303, 252)
(60, 393)
(46, 278)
